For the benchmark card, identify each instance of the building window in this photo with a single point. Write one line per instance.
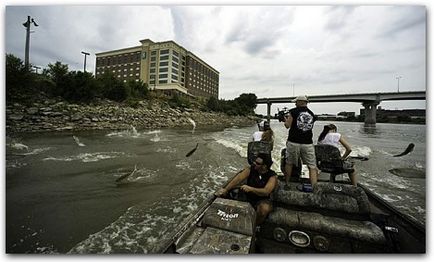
(153, 58)
(174, 71)
(153, 64)
(175, 59)
(162, 76)
(152, 82)
(165, 57)
(152, 76)
(153, 52)
(175, 65)
(175, 53)
(162, 81)
(164, 63)
(152, 70)
(175, 77)
(164, 69)
(165, 51)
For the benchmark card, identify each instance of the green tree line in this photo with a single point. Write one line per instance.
(75, 86)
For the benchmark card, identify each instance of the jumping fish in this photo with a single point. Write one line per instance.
(192, 151)
(126, 175)
(193, 123)
(77, 141)
(409, 148)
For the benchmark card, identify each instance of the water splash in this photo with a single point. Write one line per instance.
(87, 157)
(193, 123)
(77, 141)
(19, 146)
(156, 138)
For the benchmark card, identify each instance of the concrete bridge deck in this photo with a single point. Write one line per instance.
(369, 100)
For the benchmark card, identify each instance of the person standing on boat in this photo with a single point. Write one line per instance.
(300, 121)
(265, 133)
(330, 136)
(257, 135)
(261, 181)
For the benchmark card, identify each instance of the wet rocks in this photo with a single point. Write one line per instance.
(52, 115)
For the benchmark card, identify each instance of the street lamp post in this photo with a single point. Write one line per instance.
(85, 55)
(27, 25)
(398, 77)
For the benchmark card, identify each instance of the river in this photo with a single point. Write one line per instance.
(62, 195)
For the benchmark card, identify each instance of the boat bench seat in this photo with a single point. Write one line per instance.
(328, 196)
(364, 231)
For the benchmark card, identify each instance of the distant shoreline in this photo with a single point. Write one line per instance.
(61, 116)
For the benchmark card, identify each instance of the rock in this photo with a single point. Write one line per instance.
(16, 117)
(32, 110)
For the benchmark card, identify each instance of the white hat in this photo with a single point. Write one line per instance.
(300, 98)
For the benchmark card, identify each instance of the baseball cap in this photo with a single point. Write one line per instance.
(300, 98)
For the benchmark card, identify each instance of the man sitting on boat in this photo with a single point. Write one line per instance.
(261, 181)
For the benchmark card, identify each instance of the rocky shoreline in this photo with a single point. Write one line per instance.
(56, 116)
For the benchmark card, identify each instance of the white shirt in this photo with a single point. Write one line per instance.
(257, 136)
(331, 139)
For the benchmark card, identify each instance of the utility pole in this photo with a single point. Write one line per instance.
(398, 77)
(85, 55)
(27, 25)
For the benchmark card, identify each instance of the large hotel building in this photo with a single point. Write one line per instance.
(164, 66)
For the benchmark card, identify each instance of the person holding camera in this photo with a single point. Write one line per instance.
(300, 121)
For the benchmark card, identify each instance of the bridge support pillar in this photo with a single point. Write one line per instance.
(268, 111)
(370, 113)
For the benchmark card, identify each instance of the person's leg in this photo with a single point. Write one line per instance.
(353, 178)
(313, 175)
(262, 210)
(308, 157)
(288, 172)
(290, 155)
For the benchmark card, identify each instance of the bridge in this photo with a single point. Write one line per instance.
(369, 100)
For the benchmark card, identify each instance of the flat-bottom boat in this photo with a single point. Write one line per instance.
(333, 218)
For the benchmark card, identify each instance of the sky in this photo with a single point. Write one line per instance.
(280, 50)
(269, 50)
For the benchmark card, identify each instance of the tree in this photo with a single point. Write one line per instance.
(112, 88)
(249, 100)
(18, 77)
(81, 87)
(58, 73)
(213, 104)
(137, 89)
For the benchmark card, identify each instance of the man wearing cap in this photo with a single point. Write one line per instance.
(300, 121)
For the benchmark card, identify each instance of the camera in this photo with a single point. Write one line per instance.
(281, 114)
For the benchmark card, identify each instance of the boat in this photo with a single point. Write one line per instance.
(332, 218)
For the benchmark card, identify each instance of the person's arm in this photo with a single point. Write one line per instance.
(266, 191)
(347, 147)
(288, 121)
(237, 179)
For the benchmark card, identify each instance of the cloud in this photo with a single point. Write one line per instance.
(338, 17)
(404, 20)
(269, 50)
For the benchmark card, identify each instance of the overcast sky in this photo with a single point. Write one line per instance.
(271, 51)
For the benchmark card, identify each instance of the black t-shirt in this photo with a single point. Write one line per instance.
(302, 124)
(259, 181)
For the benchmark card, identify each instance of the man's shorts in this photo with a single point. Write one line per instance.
(306, 152)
